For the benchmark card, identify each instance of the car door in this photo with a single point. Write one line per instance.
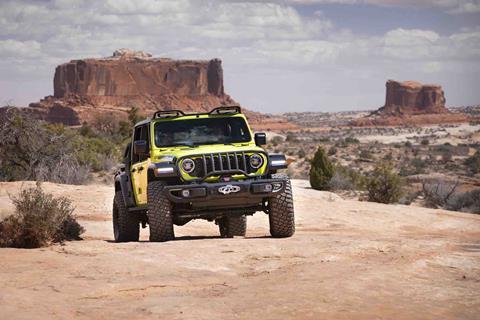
(140, 165)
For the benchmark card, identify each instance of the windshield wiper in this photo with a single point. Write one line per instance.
(186, 144)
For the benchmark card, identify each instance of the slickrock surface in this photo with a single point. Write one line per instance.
(347, 260)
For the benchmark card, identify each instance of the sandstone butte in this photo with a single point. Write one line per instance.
(86, 88)
(411, 103)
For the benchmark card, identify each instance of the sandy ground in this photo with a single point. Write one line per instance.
(348, 260)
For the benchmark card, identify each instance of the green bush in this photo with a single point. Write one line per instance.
(33, 150)
(321, 170)
(350, 140)
(39, 220)
(384, 185)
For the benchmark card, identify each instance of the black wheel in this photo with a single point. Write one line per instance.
(232, 226)
(126, 226)
(159, 213)
(281, 214)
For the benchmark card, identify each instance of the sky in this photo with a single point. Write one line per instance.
(278, 56)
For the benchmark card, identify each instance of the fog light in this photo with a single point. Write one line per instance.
(186, 193)
(268, 187)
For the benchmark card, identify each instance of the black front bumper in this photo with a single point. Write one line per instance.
(225, 194)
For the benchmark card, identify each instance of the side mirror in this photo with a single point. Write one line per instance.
(260, 138)
(140, 147)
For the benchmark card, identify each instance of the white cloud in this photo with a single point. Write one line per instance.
(19, 49)
(450, 6)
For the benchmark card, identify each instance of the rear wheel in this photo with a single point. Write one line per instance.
(159, 213)
(232, 226)
(281, 214)
(126, 226)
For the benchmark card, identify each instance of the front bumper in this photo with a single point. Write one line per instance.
(221, 193)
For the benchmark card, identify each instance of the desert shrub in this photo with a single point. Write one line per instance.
(384, 185)
(473, 162)
(340, 181)
(425, 142)
(92, 152)
(39, 220)
(408, 144)
(86, 130)
(32, 150)
(365, 154)
(291, 137)
(345, 178)
(105, 124)
(66, 170)
(416, 166)
(321, 170)
(438, 193)
(351, 140)
(467, 202)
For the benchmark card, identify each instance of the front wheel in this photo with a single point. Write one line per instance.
(232, 226)
(159, 213)
(281, 214)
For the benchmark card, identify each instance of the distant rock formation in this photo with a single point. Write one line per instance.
(411, 97)
(85, 88)
(131, 74)
(411, 103)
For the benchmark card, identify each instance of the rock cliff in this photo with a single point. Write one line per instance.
(411, 103)
(410, 97)
(86, 87)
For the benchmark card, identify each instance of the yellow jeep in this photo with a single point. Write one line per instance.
(180, 167)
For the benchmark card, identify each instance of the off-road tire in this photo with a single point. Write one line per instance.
(232, 226)
(281, 213)
(126, 226)
(159, 213)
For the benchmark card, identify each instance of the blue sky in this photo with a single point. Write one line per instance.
(285, 55)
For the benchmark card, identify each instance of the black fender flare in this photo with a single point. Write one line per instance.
(123, 183)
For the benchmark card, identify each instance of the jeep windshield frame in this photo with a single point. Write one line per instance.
(193, 132)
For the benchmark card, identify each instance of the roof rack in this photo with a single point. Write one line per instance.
(226, 110)
(162, 114)
(168, 114)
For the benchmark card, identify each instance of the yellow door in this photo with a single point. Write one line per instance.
(140, 181)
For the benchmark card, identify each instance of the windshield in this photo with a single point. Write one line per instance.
(201, 131)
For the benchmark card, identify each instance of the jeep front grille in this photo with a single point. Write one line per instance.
(213, 164)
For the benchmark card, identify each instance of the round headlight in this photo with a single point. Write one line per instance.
(188, 165)
(256, 161)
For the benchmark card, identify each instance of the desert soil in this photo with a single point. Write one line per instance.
(347, 260)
